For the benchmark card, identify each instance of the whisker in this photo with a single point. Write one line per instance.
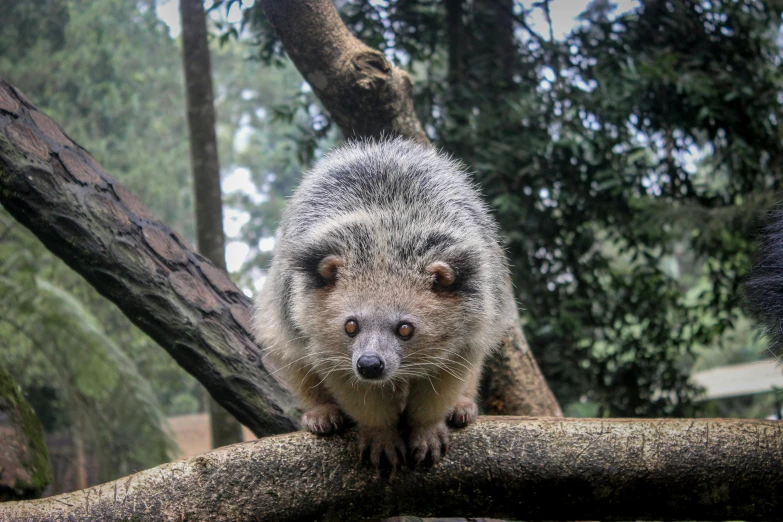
(433, 386)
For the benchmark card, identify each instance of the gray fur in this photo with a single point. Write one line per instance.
(388, 209)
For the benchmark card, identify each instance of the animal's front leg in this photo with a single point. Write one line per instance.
(377, 414)
(382, 445)
(465, 411)
(323, 415)
(429, 403)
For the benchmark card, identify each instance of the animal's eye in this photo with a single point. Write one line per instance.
(351, 327)
(405, 330)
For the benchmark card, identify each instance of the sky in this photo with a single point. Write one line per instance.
(168, 11)
(563, 13)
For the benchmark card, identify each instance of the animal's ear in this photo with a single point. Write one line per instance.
(442, 275)
(328, 267)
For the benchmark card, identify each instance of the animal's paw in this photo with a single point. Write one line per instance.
(428, 444)
(465, 412)
(383, 446)
(324, 419)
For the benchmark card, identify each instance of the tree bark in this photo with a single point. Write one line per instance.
(204, 161)
(25, 469)
(516, 468)
(368, 97)
(513, 383)
(102, 231)
(365, 95)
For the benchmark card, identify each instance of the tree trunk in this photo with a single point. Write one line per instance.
(204, 161)
(79, 461)
(367, 96)
(513, 384)
(516, 468)
(455, 28)
(102, 231)
(501, 32)
(25, 469)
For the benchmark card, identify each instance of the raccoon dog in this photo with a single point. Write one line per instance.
(387, 290)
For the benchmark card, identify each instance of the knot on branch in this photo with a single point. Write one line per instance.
(371, 69)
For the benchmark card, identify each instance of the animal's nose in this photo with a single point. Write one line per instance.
(370, 366)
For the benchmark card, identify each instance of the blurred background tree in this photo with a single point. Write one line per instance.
(628, 158)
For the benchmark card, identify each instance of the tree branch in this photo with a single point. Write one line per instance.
(362, 91)
(517, 468)
(102, 231)
(367, 96)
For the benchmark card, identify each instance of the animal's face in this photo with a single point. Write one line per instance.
(383, 324)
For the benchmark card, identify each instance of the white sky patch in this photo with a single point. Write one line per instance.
(236, 181)
(233, 221)
(233, 218)
(168, 11)
(258, 282)
(239, 181)
(267, 244)
(236, 252)
(242, 137)
(235, 12)
(564, 13)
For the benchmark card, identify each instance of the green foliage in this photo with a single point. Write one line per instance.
(112, 76)
(627, 165)
(114, 82)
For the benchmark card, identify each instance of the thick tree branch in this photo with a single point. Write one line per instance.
(517, 468)
(367, 96)
(362, 91)
(84, 216)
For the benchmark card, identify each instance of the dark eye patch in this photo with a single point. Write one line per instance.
(350, 237)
